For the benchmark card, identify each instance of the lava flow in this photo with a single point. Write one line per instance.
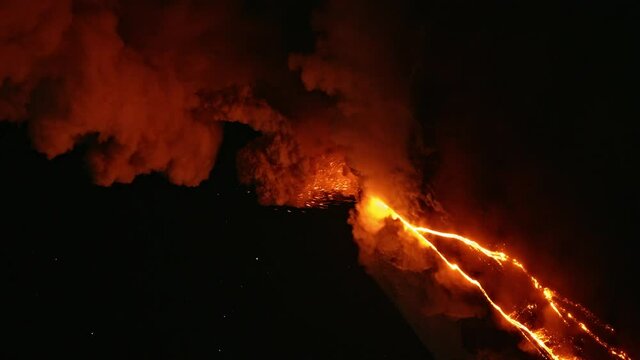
(550, 342)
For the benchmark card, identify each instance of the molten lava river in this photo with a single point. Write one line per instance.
(551, 325)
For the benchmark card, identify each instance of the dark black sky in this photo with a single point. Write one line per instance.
(533, 112)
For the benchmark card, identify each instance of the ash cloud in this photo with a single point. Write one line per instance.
(147, 84)
(358, 61)
(128, 74)
(366, 129)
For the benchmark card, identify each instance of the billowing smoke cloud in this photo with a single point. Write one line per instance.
(147, 84)
(365, 131)
(358, 63)
(126, 77)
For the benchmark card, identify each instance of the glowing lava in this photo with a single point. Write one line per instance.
(539, 337)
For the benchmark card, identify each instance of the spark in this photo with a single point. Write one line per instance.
(538, 337)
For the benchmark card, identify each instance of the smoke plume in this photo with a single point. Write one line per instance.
(125, 76)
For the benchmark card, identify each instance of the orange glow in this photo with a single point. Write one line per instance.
(327, 180)
(541, 338)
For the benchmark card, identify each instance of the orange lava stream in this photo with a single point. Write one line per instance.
(538, 338)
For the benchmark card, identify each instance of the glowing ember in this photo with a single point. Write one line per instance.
(550, 342)
(332, 180)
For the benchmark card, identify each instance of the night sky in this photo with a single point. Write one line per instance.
(532, 112)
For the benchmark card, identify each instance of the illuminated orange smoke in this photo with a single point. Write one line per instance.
(549, 342)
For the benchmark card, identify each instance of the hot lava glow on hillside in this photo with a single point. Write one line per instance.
(555, 327)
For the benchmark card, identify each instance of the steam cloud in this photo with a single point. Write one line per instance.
(147, 85)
